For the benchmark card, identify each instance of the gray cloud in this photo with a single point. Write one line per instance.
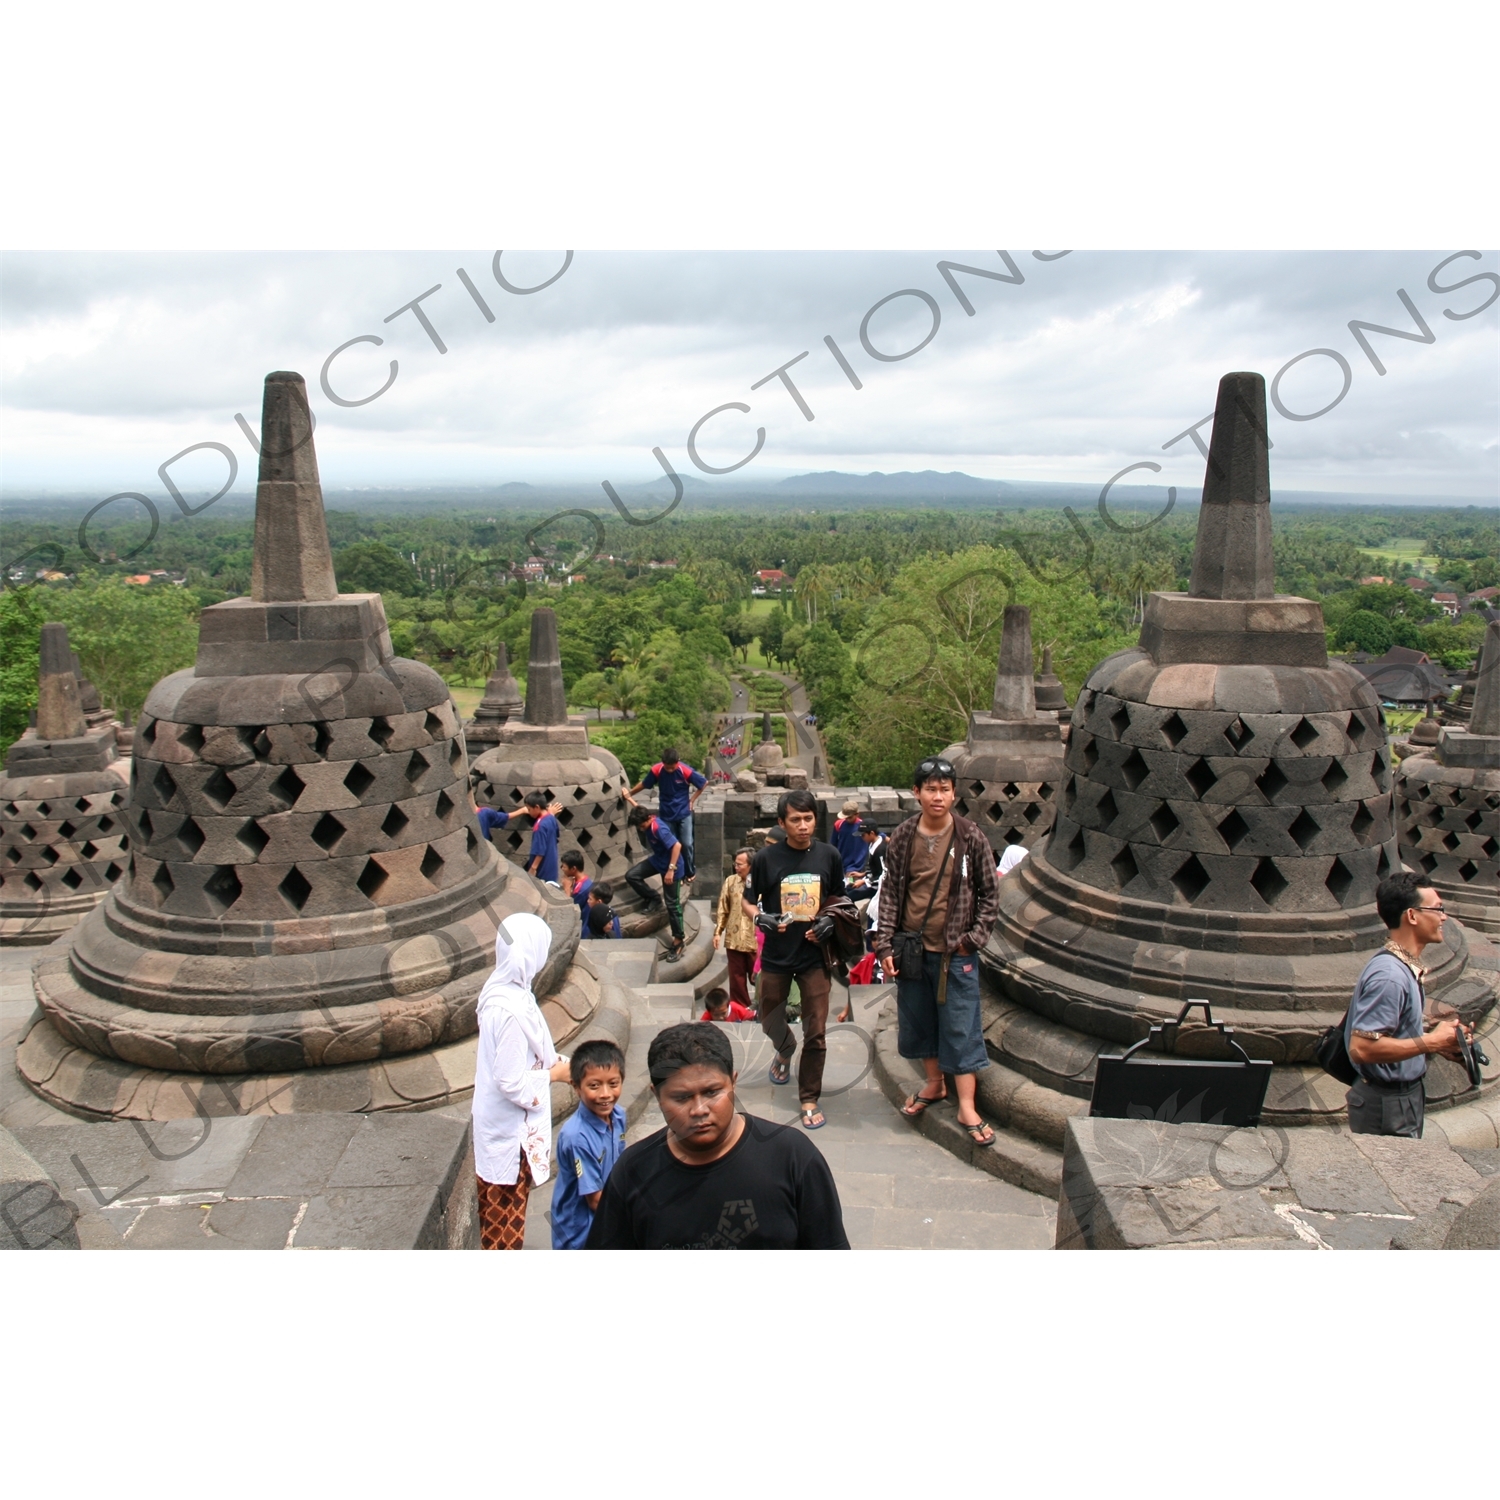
(113, 363)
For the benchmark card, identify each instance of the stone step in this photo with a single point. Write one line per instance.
(1014, 1158)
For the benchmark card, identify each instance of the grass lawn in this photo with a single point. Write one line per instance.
(1404, 554)
(467, 699)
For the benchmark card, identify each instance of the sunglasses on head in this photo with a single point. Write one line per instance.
(936, 769)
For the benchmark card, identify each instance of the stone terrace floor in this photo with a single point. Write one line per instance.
(899, 1190)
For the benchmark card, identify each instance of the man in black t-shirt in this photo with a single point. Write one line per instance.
(714, 1179)
(793, 880)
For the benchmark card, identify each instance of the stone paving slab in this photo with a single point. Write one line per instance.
(900, 1190)
(252, 1182)
(1145, 1184)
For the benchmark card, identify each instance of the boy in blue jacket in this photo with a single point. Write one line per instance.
(589, 1143)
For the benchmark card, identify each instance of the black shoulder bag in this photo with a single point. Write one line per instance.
(1332, 1053)
(906, 947)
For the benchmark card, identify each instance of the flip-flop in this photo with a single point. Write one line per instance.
(917, 1105)
(979, 1132)
(781, 1070)
(808, 1111)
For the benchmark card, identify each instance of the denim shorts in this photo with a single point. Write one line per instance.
(950, 1032)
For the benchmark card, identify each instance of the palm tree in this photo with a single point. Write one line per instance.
(627, 692)
(813, 588)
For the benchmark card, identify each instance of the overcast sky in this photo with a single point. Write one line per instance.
(113, 363)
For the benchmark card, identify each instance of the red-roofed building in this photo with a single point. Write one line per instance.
(1374, 578)
(771, 577)
(1447, 602)
(1481, 597)
(1416, 583)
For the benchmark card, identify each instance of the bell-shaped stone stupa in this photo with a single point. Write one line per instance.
(1050, 697)
(309, 911)
(768, 756)
(1010, 766)
(1223, 825)
(546, 751)
(501, 703)
(1448, 804)
(63, 838)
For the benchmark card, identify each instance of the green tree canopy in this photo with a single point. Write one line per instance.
(1367, 630)
(374, 568)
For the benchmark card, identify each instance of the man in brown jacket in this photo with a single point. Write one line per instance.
(939, 882)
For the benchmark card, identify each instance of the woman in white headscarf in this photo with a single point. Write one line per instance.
(513, 1074)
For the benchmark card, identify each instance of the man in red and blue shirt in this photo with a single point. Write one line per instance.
(663, 852)
(678, 788)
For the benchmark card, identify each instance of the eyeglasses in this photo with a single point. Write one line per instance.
(935, 767)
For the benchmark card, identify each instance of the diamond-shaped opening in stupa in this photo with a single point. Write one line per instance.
(1200, 776)
(327, 831)
(295, 888)
(1339, 880)
(1125, 868)
(1190, 879)
(1134, 769)
(1304, 830)
(288, 787)
(1268, 881)
(222, 888)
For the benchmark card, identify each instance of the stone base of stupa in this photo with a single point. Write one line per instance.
(63, 838)
(558, 761)
(1008, 775)
(1448, 824)
(104, 1088)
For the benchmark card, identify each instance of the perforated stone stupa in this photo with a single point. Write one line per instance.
(501, 703)
(1010, 766)
(546, 751)
(63, 838)
(1448, 804)
(1224, 820)
(309, 910)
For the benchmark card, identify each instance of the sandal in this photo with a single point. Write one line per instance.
(811, 1112)
(781, 1070)
(918, 1105)
(979, 1132)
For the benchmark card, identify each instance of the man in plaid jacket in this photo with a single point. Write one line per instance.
(940, 881)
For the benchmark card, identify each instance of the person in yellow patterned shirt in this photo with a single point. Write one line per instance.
(735, 931)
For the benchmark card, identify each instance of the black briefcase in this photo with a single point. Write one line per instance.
(1140, 1085)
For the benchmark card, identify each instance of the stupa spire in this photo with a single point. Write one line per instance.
(59, 710)
(1485, 718)
(1015, 685)
(291, 560)
(1232, 558)
(546, 699)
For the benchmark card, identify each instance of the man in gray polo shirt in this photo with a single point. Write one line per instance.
(1385, 1032)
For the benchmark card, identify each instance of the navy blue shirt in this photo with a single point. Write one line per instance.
(544, 843)
(581, 899)
(587, 1150)
(850, 844)
(659, 841)
(674, 787)
(491, 818)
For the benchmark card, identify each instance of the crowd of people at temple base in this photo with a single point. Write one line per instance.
(914, 906)
(794, 914)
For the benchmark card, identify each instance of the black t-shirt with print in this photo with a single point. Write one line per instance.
(801, 882)
(772, 1191)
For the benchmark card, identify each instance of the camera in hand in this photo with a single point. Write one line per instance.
(1472, 1056)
